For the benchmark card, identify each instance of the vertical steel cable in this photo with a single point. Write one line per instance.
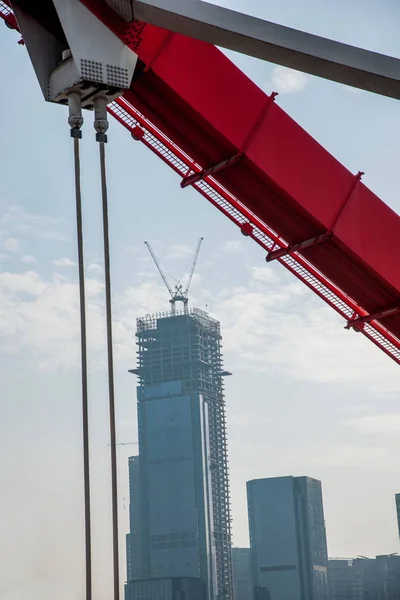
(84, 370)
(110, 360)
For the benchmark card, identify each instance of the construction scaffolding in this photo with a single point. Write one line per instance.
(187, 348)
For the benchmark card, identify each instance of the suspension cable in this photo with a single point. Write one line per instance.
(101, 127)
(76, 121)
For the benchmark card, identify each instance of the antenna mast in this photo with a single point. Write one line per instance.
(179, 295)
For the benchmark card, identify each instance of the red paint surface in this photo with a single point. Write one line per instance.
(207, 106)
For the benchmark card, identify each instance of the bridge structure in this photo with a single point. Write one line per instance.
(179, 96)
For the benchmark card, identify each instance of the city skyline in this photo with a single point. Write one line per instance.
(306, 396)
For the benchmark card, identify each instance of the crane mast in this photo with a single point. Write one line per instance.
(179, 295)
(160, 270)
(194, 262)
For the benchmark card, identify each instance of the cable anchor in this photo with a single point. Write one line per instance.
(100, 118)
(75, 118)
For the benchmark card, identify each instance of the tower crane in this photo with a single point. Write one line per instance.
(180, 294)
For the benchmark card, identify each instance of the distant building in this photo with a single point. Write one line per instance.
(174, 588)
(381, 577)
(398, 511)
(179, 504)
(364, 578)
(242, 582)
(345, 580)
(287, 539)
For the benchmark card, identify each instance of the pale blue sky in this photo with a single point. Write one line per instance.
(306, 398)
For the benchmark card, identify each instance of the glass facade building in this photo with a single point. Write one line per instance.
(242, 581)
(180, 514)
(287, 538)
(166, 589)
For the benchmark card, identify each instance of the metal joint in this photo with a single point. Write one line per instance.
(319, 239)
(360, 321)
(101, 137)
(76, 133)
(224, 164)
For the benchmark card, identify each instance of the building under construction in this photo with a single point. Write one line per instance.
(181, 381)
(184, 511)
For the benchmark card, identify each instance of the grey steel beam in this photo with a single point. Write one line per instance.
(281, 45)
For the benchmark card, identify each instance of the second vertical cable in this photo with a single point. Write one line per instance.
(75, 121)
(101, 127)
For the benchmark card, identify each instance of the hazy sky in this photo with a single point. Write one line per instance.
(306, 398)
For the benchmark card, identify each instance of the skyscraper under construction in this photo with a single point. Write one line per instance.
(183, 509)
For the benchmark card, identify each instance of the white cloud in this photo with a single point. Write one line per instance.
(233, 246)
(386, 423)
(360, 457)
(29, 259)
(64, 262)
(179, 251)
(265, 274)
(274, 322)
(11, 244)
(41, 317)
(28, 284)
(270, 322)
(288, 81)
(16, 221)
(95, 268)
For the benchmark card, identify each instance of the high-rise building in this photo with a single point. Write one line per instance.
(185, 529)
(242, 582)
(287, 538)
(398, 511)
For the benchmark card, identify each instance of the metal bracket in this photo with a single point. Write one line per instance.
(318, 239)
(224, 164)
(195, 177)
(360, 321)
